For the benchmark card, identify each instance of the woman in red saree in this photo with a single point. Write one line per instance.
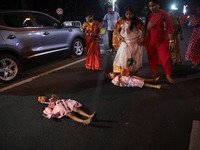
(91, 31)
(157, 43)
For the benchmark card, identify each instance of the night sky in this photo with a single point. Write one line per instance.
(77, 9)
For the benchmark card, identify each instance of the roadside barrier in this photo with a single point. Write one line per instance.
(101, 42)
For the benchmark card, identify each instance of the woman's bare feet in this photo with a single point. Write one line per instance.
(194, 66)
(87, 121)
(155, 75)
(169, 79)
(157, 78)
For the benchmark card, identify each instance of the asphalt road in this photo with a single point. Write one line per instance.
(126, 119)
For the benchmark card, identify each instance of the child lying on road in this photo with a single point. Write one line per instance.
(58, 108)
(132, 81)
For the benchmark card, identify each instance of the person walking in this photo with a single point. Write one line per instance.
(193, 51)
(91, 31)
(177, 29)
(111, 18)
(158, 40)
(127, 42)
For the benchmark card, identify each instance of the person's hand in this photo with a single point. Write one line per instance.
(141, 41)
(121, 38)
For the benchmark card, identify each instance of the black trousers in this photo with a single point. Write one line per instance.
(110, 37)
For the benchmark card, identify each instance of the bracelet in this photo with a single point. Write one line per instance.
(171, 41)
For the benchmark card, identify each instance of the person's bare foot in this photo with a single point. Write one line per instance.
(87, 121)
(155, 75)
(92, 115)
(194, 66)
(169, 79)
(157, 78)
(158, 86)
(111, 75)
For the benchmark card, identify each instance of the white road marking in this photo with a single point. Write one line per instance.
(40, 75)
(195, 136)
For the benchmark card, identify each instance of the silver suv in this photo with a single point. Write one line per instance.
(27, 34)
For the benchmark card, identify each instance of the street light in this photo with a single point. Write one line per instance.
(185, 9)
(113, 5)
(173, 7)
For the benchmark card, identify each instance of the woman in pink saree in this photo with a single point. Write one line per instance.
(91, 31)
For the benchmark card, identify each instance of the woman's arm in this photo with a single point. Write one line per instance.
(84, 29)
(142, 28)
(169, 30)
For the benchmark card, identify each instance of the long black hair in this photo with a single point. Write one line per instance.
(133, 19)
(155, 1)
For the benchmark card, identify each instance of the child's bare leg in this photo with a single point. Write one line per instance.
(152, 86)
(77, 110)
(75, 118)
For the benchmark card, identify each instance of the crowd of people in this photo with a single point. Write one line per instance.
(129, 36)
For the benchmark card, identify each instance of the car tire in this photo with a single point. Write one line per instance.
(9, 68)
(77, 48)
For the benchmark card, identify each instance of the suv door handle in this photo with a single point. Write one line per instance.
(46, 33)
(11, 37)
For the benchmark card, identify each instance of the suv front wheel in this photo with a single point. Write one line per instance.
(77, 48)
(9, 68)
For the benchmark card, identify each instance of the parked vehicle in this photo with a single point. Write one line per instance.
(27, 34)
(73, 23)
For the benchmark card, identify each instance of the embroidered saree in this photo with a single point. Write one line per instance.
(93, 60)
(175, 54)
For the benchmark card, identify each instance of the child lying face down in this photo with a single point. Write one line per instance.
(132, 81)
(58, 108)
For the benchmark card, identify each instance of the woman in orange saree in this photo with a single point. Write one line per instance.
(91, 31)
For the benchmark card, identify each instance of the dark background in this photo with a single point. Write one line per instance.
(77, 9)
